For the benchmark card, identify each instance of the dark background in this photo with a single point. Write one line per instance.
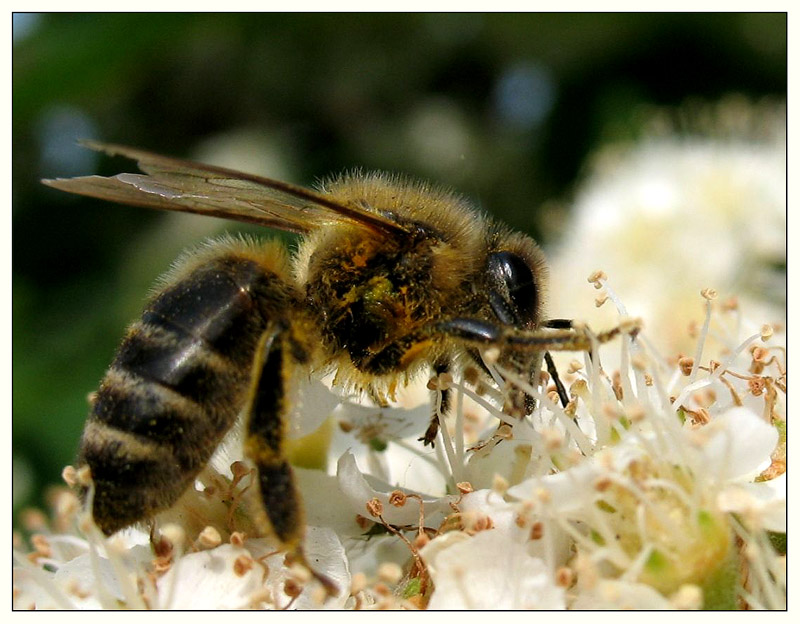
(506, 108)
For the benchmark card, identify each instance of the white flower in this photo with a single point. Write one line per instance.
(489, 570)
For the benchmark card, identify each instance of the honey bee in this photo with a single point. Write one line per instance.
(390, 278)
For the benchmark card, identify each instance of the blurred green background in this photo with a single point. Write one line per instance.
(505, 108)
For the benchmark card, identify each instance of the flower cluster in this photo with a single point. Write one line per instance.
(659, 485)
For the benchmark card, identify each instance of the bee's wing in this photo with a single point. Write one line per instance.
(182, 185)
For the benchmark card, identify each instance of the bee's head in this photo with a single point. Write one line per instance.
(516, 280)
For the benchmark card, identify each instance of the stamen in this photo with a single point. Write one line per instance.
(709, 294)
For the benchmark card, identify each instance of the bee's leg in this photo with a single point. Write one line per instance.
(429, 438)
(277, 355)
(482, 333)
(551, 368)
(559, 335)
(558, 323)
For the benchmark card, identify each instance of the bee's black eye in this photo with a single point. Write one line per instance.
(513, 292)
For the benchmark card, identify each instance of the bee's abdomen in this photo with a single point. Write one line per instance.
(175, 387)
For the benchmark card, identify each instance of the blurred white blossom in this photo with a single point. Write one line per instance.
(684, 209)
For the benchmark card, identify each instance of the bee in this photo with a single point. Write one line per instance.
(390, 278)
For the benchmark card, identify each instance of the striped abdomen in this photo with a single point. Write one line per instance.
(175, 387)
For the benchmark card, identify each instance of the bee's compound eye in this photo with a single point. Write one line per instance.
(515, 296)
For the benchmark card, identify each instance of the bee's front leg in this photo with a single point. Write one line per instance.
(555, 335)
(277, 356)
(551, 368)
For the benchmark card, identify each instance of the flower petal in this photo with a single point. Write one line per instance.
(763, 503)
(489, 571)
(620, 595)
(358, 492)
(313, 403)
(567, 491)
(208, 580)
(739, 443)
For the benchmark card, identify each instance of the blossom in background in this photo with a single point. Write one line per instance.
(685, 208)
(660, 485)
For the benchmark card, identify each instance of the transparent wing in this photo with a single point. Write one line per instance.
(185, 186)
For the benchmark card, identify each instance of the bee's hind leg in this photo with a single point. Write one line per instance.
(277, 355)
